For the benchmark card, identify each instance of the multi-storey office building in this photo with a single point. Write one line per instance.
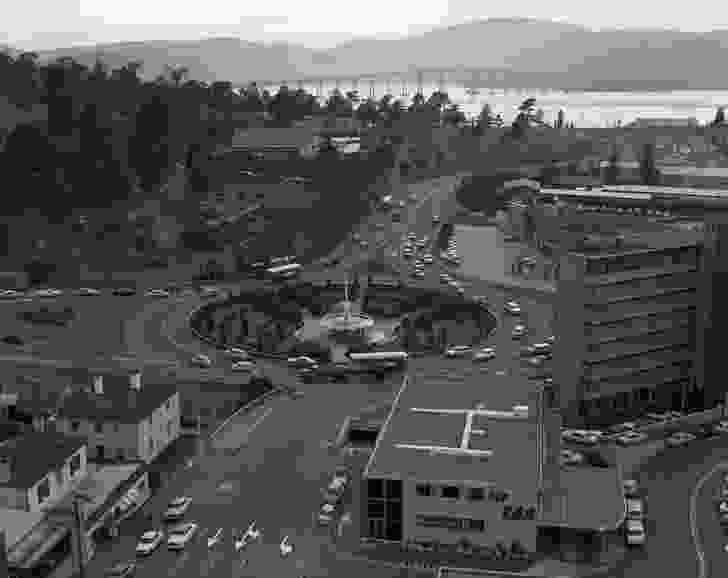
(625, 320)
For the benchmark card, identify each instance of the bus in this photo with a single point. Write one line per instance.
(382, 358)
(284, 271)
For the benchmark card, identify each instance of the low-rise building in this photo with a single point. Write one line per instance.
(121, 418)
(275, 143)
(38, 469)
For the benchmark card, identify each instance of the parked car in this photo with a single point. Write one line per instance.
(635, 508)
(123, 291)
(156, 293)
(635, 533)
(302, 361)
(580, 436)
(177, 508)
(485, 354)
(180, 536)
(721, 427)
(122, 570)
(458, 350)
(246, 366)
(201, 361)
(326, 514)
(679, 438)
(87, 292)
(631, 488)
(237, 354)
(512, 308)
(149, 542)
(518, 331)
(285, 547)
(631, 438)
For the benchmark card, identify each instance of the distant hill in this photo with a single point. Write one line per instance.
(526, 52)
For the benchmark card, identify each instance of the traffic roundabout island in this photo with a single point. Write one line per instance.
(326, 320)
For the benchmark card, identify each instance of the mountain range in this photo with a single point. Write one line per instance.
(508, 52)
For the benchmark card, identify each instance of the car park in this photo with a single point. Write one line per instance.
(149, 542)
(631, 438)
(679, 438)
(177, 508)
(179, 536)
(121, 570)
(485, 354)
(458, 351)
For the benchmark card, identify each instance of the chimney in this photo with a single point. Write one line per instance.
(135, 380)
(99, 384)
(6, 469)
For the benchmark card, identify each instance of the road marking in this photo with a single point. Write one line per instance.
(702, 567)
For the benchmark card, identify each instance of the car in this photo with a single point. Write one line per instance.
(580, 436)
(201, 361)
(721, 427)
(458, 350)
(635, 532)
(630, 488)
(418, 274)
(302, 361)
(123, 291)
(87, 292)
(485, 354)
(179, 536)
(156, 293)
(722, 507)
(208, 292)
(149, 542)
(12, 340)
(428, 259)
(518, 331)
(335, 490)
(537, 361)
(177, 508)
(435, 219)
(326, 514)
(551, 339)
(237, 354)
(10, 294)
(250, 535)
(244, 366)
(512, 308)
(285, 547)
(635, 508)
(631, 438)
(679, 438)
(571, 458)
(541, 349)
(246, 173)
(121, 570)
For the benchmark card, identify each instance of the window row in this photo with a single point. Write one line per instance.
(620, 263)
(453, 492)
(458, 523)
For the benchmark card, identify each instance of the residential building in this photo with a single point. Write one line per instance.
(625, 321)
(448, 470)
(38, 469)
(121, 418)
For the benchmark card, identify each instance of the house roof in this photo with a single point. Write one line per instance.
(118, 402)
(35, 454)
(274, 137)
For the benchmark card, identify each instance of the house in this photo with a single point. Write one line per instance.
(275, 143)
(119, 417)
(38, 469)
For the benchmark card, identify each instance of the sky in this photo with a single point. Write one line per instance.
(46, 24)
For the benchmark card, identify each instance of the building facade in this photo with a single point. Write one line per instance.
(120, 418)
(625, 320)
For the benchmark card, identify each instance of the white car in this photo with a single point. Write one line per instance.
(635, 508)
(512, 308)
(679, 438)
(179, 536)
(631, 438)
(10, 294)
(149, 542)
(177, 508)
(485, 354)
(635, 531)
(326, 514)
(302, 361)
(47, 293)
(580, 436)
(518, 331)
(571, 458)
(88, 292)
(286, 547)
(247, 366)
(458, 351)
(201, 361)
(250, 535)
(237, 354)
(156, 293)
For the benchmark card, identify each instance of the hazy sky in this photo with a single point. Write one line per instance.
(47, 24)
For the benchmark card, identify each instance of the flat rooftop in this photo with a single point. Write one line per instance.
(431, 434)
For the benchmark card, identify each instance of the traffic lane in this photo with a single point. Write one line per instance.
(711, 534)
(668, 480)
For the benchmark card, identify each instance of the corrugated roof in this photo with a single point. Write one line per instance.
(34, 454)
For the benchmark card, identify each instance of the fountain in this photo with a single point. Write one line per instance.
(343, 322)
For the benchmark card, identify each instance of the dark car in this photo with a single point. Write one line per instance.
(122, 570)
(123, 291)
(12, 340)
